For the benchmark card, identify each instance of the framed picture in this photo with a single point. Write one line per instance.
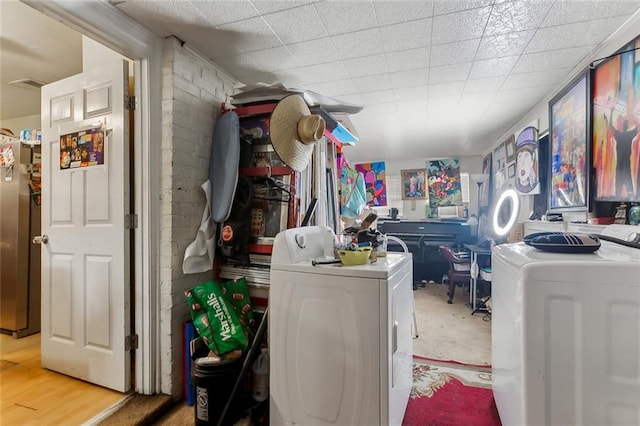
(414, 184)
(485, 188)
(616, 122)
(510, 148)
(569, 125)
(511, 170)
(499, 170)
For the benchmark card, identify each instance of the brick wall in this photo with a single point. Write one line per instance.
(193, 90)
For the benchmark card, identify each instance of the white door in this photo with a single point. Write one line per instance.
(85, 257)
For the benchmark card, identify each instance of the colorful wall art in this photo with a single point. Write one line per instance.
(616, 120)
(526, 171)
(443, 177)
(375, 182)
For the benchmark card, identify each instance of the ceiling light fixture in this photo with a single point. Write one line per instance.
(27, 83)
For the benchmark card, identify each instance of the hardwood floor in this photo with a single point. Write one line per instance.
(32, 395)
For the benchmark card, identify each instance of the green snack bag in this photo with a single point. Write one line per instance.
(237, 294)
(201, 321)
(227, 332)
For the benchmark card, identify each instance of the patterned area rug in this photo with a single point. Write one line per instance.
(450, 393)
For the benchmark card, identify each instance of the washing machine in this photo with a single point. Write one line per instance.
(340, 337)
(566, 333)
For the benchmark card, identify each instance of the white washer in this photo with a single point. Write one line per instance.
(340, 338)
(566, 334)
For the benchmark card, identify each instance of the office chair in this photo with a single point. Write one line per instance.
(406, 250)
(459, 270)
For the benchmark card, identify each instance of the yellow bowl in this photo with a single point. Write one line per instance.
(355, 257)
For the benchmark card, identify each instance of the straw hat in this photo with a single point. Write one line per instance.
(294, 130)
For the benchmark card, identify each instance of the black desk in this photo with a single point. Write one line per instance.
(423, 239)
(476, 252)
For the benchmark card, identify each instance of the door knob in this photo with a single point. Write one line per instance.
(40, 239)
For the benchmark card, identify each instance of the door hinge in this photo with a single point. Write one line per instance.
(131, 342)
(131, 221)
(130, 102)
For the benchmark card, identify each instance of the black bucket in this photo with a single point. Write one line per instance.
(212, 385)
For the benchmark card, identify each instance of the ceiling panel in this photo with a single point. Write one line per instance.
(409, 63)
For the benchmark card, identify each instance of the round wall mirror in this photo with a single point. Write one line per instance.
(506, 212)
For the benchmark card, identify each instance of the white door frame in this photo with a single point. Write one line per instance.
(94, 19)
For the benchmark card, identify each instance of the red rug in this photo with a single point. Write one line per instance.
(450, 393)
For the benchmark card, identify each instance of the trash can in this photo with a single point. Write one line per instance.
(213, 382)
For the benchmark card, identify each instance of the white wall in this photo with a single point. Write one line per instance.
(21, 123)
(540, 112)
(415, 209)
(192, 95)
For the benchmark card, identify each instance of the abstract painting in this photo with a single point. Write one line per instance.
(616, 120)
(443, 177)
(375, 182)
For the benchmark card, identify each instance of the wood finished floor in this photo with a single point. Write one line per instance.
(32, 395)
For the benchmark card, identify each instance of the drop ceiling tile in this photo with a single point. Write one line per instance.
(449, 73)
(319, 51)
(382, 109)
(476, 101)
(334, 88)
(517, 15)
(560, 37)
(410, 93)
(266, 6)
(372, 83)
(395, 12)
(224, 45)
(296, 25)
(222, 12)
(566, 12)
(368, 65)
(410, 59)
(407, 35)
(493, 67)
(236, 64)
(298, 74)
(460, 26)
(528, 95)
(377, 96)
(251, 34)
(274, 59)
(357, 44)
(561, 58)
(326, 72)
(509, 44)
(454, 53)
(446, 104)
(442, 7)
(483, 85)
(442, 90)
(164, 18)
(535, 79)
(411, 78)
(414, 109)
(340, 17)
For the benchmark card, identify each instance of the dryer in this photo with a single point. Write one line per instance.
(566, 334)
(340, 337)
